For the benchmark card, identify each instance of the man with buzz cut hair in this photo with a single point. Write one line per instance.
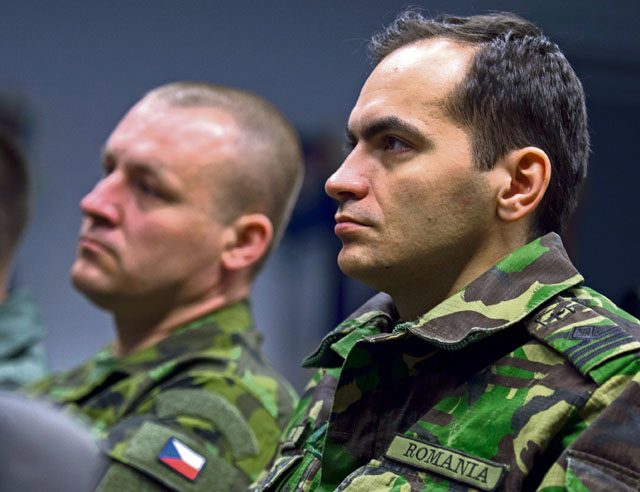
(485, 363)
(199, 183)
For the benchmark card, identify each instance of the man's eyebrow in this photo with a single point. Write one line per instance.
(156, 169)
(387, 124)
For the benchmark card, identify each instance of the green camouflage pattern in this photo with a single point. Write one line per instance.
(22, 353)
(207, 385)
(524, 380)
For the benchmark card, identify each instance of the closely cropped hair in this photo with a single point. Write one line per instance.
(519, 91)
(14, 195)
(270, 169)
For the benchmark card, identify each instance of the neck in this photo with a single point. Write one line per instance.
(435, 283)
(138, 328)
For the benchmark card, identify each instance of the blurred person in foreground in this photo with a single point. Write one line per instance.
(44, 449)
(22, 354)
(485, 363)
(199, 182)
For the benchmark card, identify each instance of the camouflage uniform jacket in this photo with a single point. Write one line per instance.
(524, 380)
(22, 355)
(199, 411)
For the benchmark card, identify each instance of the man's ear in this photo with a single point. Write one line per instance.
(528, 174)
(247, 241)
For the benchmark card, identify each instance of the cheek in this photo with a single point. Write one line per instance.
(197, 241)
(171, 238)
(475, 195)
(442, 201)
(417, 197)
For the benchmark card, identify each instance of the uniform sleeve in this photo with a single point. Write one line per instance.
(204, 432)
(605, 456)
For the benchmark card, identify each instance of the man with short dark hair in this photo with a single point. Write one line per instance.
(22, 354)
(485, 364)
(199, 182)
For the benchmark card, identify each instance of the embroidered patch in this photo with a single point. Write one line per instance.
(480, 473)
(181, 458)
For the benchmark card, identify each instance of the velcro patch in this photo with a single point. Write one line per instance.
(141, 451)
(480, 473)
(213, 408)
(181, 458)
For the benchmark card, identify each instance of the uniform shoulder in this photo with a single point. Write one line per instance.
(58, 386)
(607, 308)
(590, 331)
(224, 425)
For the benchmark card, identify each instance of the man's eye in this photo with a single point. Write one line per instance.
(147, 189)
(394, 144)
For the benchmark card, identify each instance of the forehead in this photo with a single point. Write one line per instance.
(157, 131)
(413, 80)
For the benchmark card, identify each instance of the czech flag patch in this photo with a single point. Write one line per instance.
(181, 458)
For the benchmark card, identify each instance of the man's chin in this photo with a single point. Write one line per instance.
(95, 291)
(354, 266)
(367, 269)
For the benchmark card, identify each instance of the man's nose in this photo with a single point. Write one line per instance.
(101, 203)
(349, 181)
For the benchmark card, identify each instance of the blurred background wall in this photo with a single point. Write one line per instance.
(78, 65)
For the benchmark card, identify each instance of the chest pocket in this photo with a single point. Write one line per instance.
(488, 435)
(412, 464)
(387, 475)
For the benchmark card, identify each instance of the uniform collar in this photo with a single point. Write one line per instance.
(377, 315)
(222, 334)
(503, 295)
(219, 331)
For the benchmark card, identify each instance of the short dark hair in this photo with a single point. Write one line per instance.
(14, 195)
(520, 90)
